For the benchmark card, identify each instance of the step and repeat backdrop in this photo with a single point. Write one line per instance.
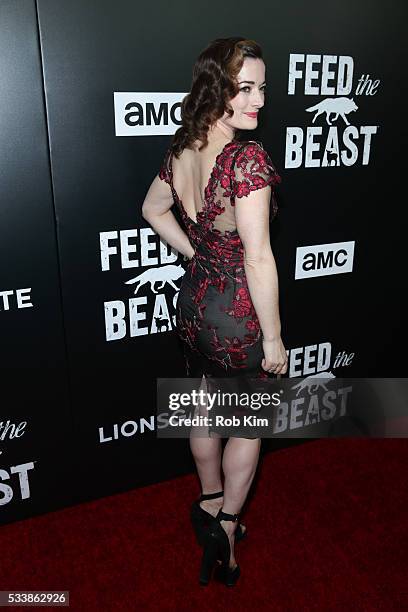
(90, 97)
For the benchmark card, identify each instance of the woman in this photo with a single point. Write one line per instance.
(227, 309)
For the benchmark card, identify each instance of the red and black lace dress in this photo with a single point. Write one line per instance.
(216, 320)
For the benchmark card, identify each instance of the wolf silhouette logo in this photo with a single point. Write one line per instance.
(164, 274)
(311, 384)
(339, 106)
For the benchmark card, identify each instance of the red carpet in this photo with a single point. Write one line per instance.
(327, 530)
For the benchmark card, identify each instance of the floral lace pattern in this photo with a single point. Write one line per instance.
(216, 320)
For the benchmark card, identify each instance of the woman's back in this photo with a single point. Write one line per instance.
(191, 175)
(205, 183)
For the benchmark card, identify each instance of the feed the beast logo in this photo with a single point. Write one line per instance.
(148, 305)
(339, 104)
(324, 259)
(147, 113)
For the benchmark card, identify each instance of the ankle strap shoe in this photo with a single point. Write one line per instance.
(217, 545)
(223, 516)
(201, 519)
(205, 496)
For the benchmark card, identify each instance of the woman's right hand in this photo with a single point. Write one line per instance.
(275, 359)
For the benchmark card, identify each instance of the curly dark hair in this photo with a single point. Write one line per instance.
(214, 83)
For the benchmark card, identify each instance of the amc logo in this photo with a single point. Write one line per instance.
(324, 259)
(147, 113)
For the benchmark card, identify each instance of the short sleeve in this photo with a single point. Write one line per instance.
(165, 169)
(253, 169)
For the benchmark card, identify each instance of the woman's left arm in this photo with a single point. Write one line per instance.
(156, 211)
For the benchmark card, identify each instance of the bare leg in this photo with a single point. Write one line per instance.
(207, 457)
(207, 453)
(239, 464)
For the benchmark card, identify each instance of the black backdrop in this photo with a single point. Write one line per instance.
(90, 96)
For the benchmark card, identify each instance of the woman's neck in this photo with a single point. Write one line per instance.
(218, 136)
(220, 133)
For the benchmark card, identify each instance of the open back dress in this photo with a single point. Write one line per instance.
(215, 318)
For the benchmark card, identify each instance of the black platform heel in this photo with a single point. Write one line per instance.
(201, 519)
(217, 546)
(209, 559)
